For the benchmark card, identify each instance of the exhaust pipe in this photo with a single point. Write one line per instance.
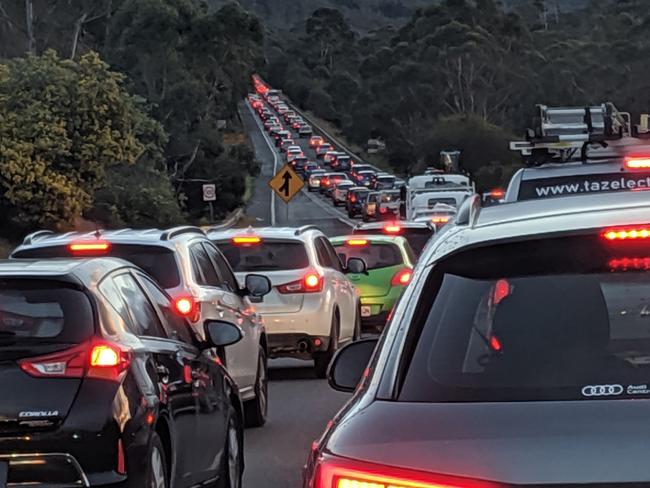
(303, 345)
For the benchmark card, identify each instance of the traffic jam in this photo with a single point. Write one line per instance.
(486, 340)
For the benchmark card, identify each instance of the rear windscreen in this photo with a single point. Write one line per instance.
(265, 256)
(375, 255)
(447, 201)
(556, 320)
(43, 312)
(157, 261)
(417, 238)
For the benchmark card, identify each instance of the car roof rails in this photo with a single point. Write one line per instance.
(177, 231)
(305, 228)
(34, 236)
(563, 134)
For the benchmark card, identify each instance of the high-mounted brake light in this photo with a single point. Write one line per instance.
(630, 264)
(402, 277)
(637, 162)
(631, 233)
(357, 242)
(93, 359)
(343, 473)
(442, 219)
(501, 291)
(497, 193)
(392, 229)
(90, 247)
(312, 282)
(241, 240)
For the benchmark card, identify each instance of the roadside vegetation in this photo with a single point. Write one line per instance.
(118, 111)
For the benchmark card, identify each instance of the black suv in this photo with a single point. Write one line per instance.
(104, 385)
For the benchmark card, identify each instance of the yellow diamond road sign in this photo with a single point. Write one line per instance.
(286, 183)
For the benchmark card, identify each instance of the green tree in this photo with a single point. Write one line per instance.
(63, 126)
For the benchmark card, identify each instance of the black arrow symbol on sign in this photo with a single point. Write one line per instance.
(285, 186)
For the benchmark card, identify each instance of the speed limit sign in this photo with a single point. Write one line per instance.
(209, 193)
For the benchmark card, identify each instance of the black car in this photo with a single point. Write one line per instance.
(105, 385)
(354, 200)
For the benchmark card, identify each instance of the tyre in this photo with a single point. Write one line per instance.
(322, 359)
(255, 411)
(157, 475)
(233, 461)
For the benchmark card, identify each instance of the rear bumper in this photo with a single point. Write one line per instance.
(380, 308)
(301, 346)
(53, 470)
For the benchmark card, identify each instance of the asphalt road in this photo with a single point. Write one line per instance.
(299, 405)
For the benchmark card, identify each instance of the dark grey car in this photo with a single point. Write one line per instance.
(519, 355)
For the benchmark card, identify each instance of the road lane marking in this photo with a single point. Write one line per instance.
(275, 157)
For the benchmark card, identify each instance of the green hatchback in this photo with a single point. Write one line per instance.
(390, 263)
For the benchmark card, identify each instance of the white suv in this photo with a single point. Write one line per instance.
(200, 283)
(312, 308)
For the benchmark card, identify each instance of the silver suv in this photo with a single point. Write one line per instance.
(198, 279)
(312, 308)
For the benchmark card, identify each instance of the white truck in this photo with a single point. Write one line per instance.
(424, 192)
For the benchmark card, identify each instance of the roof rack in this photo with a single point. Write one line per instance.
(177, 231)
(305, 228)
(562, 134)
(34, 236)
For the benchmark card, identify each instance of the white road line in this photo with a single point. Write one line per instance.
(275, 158)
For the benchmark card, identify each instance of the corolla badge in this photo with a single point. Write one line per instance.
(32, 414)
(602, 390)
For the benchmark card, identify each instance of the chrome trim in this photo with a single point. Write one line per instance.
(22, 458)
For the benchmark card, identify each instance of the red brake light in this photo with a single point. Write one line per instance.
(90, 247)
(94, 359)
(357, 242)
(637, 162)
(495, 344)
(187, 307)
(241, 240)
(443, 219)
(312, 282)
(626, 234)
(383, 210)
(497, 193)
(629, 264)
(501, 291)
(353, 199)
(392, 229)
(402, 277)
(343, 473)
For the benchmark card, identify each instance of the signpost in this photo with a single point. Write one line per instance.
(210, 195)
(286, 184)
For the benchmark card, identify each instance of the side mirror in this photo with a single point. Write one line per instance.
(221, 333)
(257, 285)
(349, 364)
(356, 266)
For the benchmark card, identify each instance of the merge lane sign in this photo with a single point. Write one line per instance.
(286, 183)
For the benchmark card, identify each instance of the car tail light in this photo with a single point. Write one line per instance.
(121, 458)
(497, 193)
(392, 229)
(442, 219)
(501, 291)
(246, 240)
(383, 210)
(637, 162)
(622, 234)
(312, 282)
(630, 264)
(357, 242)
(89, 247)
(187, 307)
(93, 359)
(353, 199)
(402, 277)
(344, 473)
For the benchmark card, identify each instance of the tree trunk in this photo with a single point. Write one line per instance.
(77, 32)
(107, 30)
(29, 24)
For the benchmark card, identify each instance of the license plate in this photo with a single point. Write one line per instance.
(366, 311)
(4, 470)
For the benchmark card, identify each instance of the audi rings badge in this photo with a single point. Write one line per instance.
(602, 390)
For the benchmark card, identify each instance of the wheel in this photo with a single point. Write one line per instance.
(322, 359)
(157, 473)
(255, 410)
(233, 465)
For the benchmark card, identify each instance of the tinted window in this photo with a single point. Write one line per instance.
(551, 320)
(416, 237)
(223, 268)
(112, 295)
(176, 327)
(446, 201)
(324, 258)
(43, 311)
(203, 269)
(269, 255)
(142, 312)
(391, 196)
(157, 261)
(376, 256)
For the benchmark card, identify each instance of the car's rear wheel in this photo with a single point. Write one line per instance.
(255, 411)
(157, 471)
(322, 359)
(233, 465)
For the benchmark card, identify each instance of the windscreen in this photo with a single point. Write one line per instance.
(158, 261)
(375, 255)
(43, 312)
(556, 320)
(268, 255)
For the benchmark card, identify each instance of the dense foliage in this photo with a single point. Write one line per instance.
(178, 69)
(461, 69)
